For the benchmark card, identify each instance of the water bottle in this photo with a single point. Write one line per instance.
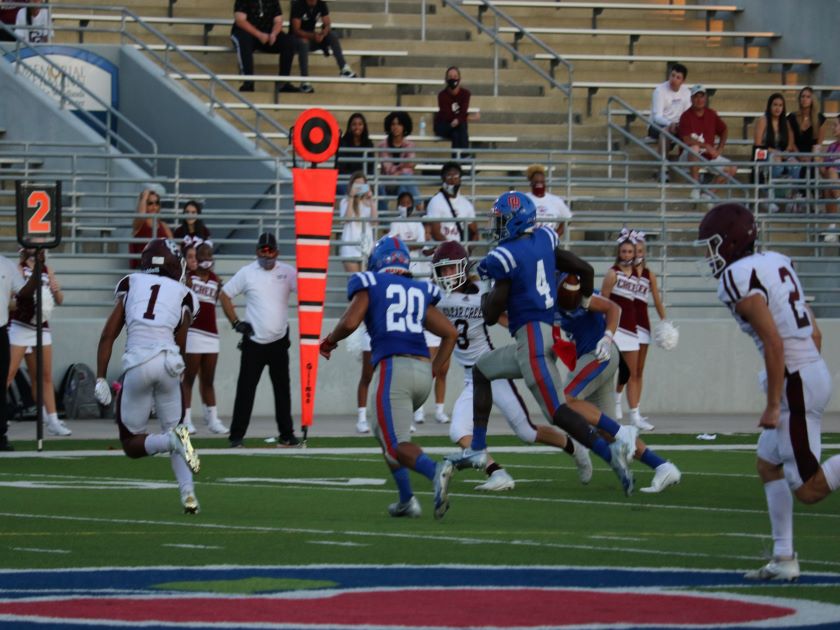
(423, 126)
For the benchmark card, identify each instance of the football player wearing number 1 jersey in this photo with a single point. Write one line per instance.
(764, 295)
(156, 310)
(395, 309)
(524, 266)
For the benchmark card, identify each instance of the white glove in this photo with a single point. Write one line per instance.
(102, 392)
(603, 351)
(666, 335)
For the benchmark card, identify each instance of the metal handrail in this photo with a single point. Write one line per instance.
(498, 42)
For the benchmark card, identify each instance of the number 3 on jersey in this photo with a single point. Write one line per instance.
(543, 288)
(406, 312)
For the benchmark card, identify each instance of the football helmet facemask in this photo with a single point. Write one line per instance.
(728, 232)
(514, 214)
(163, 258)
(450, 254)
(389, 254)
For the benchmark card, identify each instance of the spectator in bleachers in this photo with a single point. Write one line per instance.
(808, 125)
(412, 233)
(357, 204)
(355, 139)
(311, 29)
(33, 24)
(192, 231)
(705, 133)
(670, 100)
(398, 155)
(831, 159)
(258, 25)
(146, 227)
(551, 209)
(773, 136)
(448, 204)
(451, 119)
(7, 16)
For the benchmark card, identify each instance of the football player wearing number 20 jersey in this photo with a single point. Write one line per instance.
(461, 304)
(396, 309)
(156, 309)
(764, 295)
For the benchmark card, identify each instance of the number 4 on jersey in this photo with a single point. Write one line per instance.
(543, 288)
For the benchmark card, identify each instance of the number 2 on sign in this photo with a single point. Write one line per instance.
(37, 224)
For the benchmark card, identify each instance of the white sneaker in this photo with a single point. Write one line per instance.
(412, 429)
(419, 416)
(57, 427)
(641, 423)
(619, 413)
(498, 481)
(190, 427)
(468, 458)
(190, 503)
(441, 417)
(583, 462)
(626, 437)
(776, 569)
(215, 426)
(665, 475)
(362, 426)
(347, 72)
(410, 508)
(179, 442)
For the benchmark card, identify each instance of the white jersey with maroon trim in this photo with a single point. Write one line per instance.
(771, 276)
(464, 311)
(154, 307)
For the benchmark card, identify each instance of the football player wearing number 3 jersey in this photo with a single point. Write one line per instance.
(395, 309)
(764, 295)
(156, 310)
(524, 266)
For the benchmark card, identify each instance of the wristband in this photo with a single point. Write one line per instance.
(585, 300)
(234, 324)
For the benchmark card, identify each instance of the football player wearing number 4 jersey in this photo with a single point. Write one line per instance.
(765, 296)
(524, 266)
(156, 310)
(461, 304)
(395, 309)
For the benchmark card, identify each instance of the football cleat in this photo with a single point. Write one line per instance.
(410, 508)
(497, 482)
(441, 417)
(419, 416)
(467, 458)
(215, 426)
(57, 427)
(641, 423)
(776, 569)
(626, 437)
(665, 475)
(190, 503)
(443, 475)
(362, 426)
(179, 442)
(620, 467)
(583, 463)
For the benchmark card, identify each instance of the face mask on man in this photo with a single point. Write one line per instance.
(452, 83)
(266, 263)
(538, 189)
(451, 189)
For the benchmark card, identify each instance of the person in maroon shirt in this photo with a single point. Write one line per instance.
(705, 133)
(7, 16)
(453, 111)
(144, 227)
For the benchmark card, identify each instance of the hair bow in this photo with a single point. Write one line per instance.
(626, 236)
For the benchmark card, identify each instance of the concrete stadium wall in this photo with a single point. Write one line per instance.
(713, 370)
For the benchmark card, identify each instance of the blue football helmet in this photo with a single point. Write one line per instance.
(389, 254)
(514, 214)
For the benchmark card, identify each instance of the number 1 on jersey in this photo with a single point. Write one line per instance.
(543, 288)
(150, 307)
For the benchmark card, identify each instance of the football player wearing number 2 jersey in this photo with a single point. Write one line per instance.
(764, 295)
(156, 310)
(395, 309)
(524, 266)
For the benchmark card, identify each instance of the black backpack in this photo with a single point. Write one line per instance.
(77, 393)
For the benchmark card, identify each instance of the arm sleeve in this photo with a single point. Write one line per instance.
(657, 108)
(235, 285)
(740, 283)
(498, 264)
(434, 294)
(122, 289)
(359, 281)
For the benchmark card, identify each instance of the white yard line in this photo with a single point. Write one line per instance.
(39, 550)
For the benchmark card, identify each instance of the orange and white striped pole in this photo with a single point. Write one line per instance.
(315, 140)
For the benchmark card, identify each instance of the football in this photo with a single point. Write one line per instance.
(568, 292)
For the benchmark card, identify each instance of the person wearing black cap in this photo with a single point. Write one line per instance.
(266, 283)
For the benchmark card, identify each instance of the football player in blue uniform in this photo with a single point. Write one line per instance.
(395, 308)
(597, 360)
(524, 267)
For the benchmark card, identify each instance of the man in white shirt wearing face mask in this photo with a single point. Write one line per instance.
(448, 204)
(266, 283)
(551, 209)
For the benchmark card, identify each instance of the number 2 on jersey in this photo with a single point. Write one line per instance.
(543, 288)
(406, 314)
(800, 313)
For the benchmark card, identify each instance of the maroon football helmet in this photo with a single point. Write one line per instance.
(450, 253)
(728, 231)
(163, 257)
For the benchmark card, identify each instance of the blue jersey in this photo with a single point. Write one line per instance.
(528, 262)
(396, 312)
(584, 327)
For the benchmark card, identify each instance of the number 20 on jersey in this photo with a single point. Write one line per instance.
(38, 214)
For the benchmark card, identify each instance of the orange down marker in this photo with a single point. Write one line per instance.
(316, 138)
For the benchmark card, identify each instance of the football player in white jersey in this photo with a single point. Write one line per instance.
(156, 309)
(461, 303)
(764, 294)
